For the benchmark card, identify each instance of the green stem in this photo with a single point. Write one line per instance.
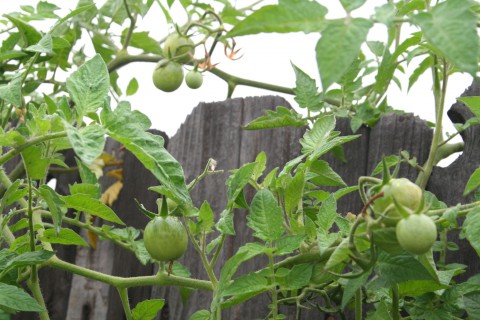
(358, 304)
(208, 268)
(123, 292)
(445, 150)
(274, 305)
(133, 21)
(15, 151)
(34, 287)
(395, 312)
(217, 252)
(443, 252)
(160, 279)
(439, 94)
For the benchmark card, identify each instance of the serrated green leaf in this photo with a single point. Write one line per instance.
(350, 5)
(87, 142)
(43, 46)
(87, 204)
(339, 255)
(298, 277)
(13, 193)
(327, 214)
(400, 268)
(318, 135)
(422, 67)
(92, 190)
(324, 175)
(26, 259)
(147, 309)
(54, 203)
(294, 192)
(200, 315)
(288, 244)
(281, 117)
(473, 183)
(65, 237)
(339, 46)
(36, 165)
(132, 87)
(128, 127)
(247, 283)
(86, 174)
(205, 217)
(352, 286)
(225, 223)
(142, 40)
(29, 34)
(88, 86)
(306, 91)
(473, 103)
(12, 91)
(238, 181)
(471, 225)
(287, 16)
(451, 28)
(265, 217)
(14, 298)
(73, 13)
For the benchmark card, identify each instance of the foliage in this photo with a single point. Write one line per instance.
(316, 256)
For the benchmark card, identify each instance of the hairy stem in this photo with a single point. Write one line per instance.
(123, 292)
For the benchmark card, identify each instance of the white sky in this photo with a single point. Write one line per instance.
(267, 58)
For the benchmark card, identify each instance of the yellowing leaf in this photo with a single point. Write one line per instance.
(92, 239)
(111, 194)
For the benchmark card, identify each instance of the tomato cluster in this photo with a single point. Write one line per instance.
(168, 74)
(400, 207)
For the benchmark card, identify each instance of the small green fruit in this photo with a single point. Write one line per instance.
(416, 233)
(194, 79)
(167, 76)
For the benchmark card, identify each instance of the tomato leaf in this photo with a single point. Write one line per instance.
(265, 217)
(65, 236)
(471, 225)
(87, 204)
(323, 175)
(87, 142)
(128, 127)
(281, 117)
(298, 277)
(339, 46)
(238, 181)
(352, 286)
(306, 91)
(132, 87)
(12, 297)
(200, 315)
(43, 46)
(88, 86)
(473, 103)
(473, 183)
(12, 91)
(148, 309)
(451, 28)
(248, 283)
(55, 205)
(400, 268)
(294, 192)
(287, 16)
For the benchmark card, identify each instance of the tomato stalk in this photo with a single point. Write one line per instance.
(358, 304)
(274, 305)
(123, 292)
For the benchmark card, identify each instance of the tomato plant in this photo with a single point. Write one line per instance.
(59, 92)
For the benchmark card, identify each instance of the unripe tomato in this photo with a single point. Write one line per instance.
(165, 238)
(417, 233)
(179, 48)
(167, 76)
(405, 193)
(194, 79)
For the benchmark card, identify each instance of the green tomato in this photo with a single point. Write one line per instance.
(405, 193)
(167, 76)
(179, 48)
(165, 238)
(194, 79)
(417, 233)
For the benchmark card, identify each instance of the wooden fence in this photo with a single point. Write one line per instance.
(213, 130)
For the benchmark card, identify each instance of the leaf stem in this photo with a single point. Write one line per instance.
(13, 152)
(123, 292)
(160, 279)
(395, 312)
(358, 304)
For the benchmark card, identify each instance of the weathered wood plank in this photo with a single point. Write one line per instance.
(449, 183)
(213, 130)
